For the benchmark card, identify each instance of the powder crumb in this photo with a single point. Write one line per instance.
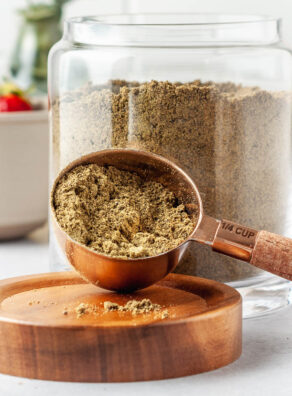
(33, 302)
(164, 314)
(81, 310)
(119, 213)
(136, 307)
(110, 306)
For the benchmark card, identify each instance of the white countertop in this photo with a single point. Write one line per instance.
(265, 367)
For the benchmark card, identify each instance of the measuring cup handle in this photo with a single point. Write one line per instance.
(270, 252)
(273, 253)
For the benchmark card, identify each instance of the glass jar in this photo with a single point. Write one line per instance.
(211, 93)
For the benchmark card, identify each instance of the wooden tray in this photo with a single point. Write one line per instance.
(37, 340)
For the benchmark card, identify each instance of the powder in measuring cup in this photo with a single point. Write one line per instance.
(119, 214)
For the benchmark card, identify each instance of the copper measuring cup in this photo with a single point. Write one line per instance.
(262, 249)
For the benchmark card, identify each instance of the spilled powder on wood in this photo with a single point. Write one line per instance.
(134, 307)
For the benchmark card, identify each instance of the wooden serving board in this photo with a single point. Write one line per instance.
(37, 340)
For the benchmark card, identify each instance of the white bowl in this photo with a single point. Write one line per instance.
(24, 141)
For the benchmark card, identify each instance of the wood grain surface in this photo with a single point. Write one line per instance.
(203, 330)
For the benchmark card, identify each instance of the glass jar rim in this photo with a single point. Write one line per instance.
(157, 29)
(165, 19)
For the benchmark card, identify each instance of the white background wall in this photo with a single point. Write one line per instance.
(279, 8)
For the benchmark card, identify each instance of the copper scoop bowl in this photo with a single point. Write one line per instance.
(262, 249)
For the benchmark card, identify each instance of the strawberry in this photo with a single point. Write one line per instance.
(14, 102)
(12, 98)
